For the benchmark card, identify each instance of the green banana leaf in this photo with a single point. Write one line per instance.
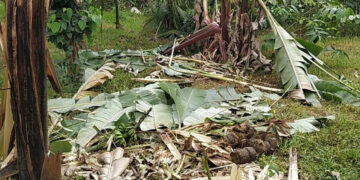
(159, 116)
(311, 47)
(64, 105)
(102, 118)
(334, 91)
(186, 100)
(292, 60)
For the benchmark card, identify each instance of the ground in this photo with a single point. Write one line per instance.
(334, 148)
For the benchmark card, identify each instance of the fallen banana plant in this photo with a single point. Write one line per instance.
(194, 71)
(292, 61)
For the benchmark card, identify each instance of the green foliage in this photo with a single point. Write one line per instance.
(59, 147)
(173, 15)
(135, 3)
(68, 22)
(125, 131)
(317, 20)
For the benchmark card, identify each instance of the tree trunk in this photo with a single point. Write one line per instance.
(25, 54)
(102, 14)
(117, 23)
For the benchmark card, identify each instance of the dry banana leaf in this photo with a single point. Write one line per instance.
(94, 78)
(51, 74)
(114, 164)
(6, 119)
(171, 146)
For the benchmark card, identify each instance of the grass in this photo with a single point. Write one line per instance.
(335, 148)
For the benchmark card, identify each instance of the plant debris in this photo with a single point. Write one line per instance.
(247, 143)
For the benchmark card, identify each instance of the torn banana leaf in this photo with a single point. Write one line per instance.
(151, 94)
(292, 61)
(64, 105)
(102, 118)
(200, 114)
(306, 125)
(186, 100)
(159, 116)
(94, 78)
(334, 91)
(129, 58)
(114, 164)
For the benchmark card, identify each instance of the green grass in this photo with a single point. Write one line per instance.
(130, 36)
(336, 147)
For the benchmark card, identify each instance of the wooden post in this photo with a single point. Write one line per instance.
(117, 23)
(102, 14)
(25, 54)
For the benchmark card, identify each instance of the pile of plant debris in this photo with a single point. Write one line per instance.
(173, 131)
(166, 131)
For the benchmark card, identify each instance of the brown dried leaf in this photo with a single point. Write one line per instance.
(94, 78)
(171, 146)
(114, 164)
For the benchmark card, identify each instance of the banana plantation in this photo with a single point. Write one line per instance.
(179, 89)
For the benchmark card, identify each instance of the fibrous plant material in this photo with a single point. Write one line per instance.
(51, 74)
(235, 42)
(6, 119)
(293, 167)
(114, 164)
(207, 31)
(25, 54)
(244, 46)
(247, 143)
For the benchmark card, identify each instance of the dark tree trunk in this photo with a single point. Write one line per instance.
(117, 23)
(102, 14)
(25, 54)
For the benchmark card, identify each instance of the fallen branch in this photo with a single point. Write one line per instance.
(293, 168)
(213, 76)
(158, 80)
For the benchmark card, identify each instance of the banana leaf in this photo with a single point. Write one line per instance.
(292, 61)
(159, 116)
(64, 105)
(186, 100)
(102, 118)
(334, 91)
(94, 78)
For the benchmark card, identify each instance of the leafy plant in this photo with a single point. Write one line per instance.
(173, 15)
(125, 133)
(336, 52)
(68, 22)
(317, 20)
